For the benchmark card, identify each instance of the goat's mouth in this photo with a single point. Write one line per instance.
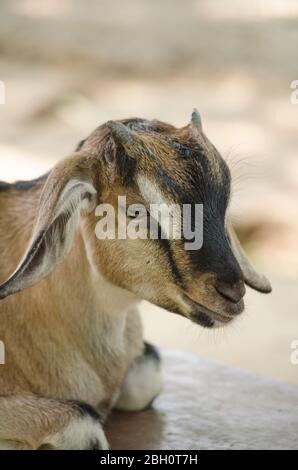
(208, 318)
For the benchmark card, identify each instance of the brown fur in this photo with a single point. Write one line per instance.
(74, 334)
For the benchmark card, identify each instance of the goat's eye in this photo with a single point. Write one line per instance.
(132, 216)
(137, 211)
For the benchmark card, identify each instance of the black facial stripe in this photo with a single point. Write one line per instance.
(198, 188)
(126, 166)
(166, 245)
(201, 182)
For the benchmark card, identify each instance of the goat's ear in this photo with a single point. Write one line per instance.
(68, 192)
(252, 278)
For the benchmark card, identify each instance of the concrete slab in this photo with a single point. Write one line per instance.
(207, 405)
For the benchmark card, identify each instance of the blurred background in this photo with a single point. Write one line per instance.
(70, 65)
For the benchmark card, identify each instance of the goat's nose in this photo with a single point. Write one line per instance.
(232, 292)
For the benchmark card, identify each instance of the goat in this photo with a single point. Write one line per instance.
(69, 319)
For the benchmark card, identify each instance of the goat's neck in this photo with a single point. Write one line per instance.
(92, 308)
(81, 284)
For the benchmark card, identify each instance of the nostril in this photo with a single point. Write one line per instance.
(233, 293)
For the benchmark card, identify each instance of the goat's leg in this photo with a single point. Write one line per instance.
(143, 382)
(32, 422)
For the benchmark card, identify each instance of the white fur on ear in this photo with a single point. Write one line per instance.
(53, 235)
(77, 195)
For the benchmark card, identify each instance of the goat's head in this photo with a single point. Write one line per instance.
(149, 162)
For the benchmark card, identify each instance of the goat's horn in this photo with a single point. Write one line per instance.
(196, 119)
(120, 132)
(251, 276)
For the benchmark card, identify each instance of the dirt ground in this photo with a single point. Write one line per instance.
(68, 68)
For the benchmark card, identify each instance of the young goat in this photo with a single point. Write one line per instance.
(72, 333)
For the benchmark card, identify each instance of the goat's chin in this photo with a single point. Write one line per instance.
(204, 317)
(207, 321)
(213, 317)
(198, 313)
